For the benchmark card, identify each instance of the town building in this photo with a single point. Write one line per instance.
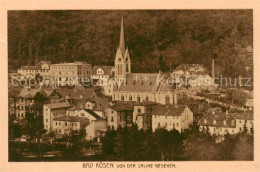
(54, 110)
(98, 105)
(96, 129)
(219, 123)
(249, 104)
(66, 124)
(89, 114)
(27, 72)
(178, 117)
(120, 114)
(192, 76)
(69, 73)
(26, 98)
(41, 68)
(142, 115)
(103, 76)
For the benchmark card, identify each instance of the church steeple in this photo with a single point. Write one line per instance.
(122, 38)
(122, 59)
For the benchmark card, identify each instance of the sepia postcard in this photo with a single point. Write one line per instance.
(129, 85)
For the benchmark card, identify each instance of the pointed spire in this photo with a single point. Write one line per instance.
(122, 38)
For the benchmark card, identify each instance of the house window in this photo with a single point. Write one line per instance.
(130, 98)
(112, 119)
(59, 123)
(112, 111)
(56, 123)
(46, 120)
(122, 98)
(147, 98)
(65, 123)
(177, 124)
(139, 110)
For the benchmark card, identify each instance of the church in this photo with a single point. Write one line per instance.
(138, 87)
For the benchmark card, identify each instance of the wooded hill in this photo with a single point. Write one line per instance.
(157, 39)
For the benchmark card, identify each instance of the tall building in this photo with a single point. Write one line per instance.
(69, 73)
(122, 59)
(138, 87)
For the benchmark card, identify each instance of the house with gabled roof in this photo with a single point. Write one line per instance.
(219, 123)
(178, 117)
(54, 110)
(120, 114)
(26, 98)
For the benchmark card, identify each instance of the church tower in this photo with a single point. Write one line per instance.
(122, 59)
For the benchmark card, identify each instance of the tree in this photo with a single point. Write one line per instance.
(38, 78)
(199, 147)
(162, 64)
(244, 147)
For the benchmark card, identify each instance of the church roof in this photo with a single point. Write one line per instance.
(144, 82)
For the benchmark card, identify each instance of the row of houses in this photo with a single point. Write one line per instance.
(57, 117)
(219, 123)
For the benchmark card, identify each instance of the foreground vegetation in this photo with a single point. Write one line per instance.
(131, 144)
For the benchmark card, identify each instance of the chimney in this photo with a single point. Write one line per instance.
(213, 70)
(175, 99)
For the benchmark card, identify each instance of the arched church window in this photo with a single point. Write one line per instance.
(138, 99)
(147, 98)
(167, 99)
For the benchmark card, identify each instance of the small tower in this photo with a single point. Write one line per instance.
(122, 59)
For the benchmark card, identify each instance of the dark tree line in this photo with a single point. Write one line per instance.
(131, 144)
(163, 38)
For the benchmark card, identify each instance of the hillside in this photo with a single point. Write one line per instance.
(158, 39)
